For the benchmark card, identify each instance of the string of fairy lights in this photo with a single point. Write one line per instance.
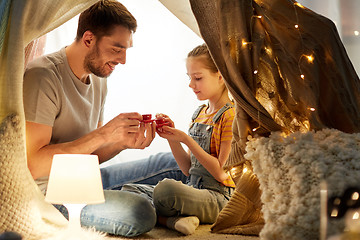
(308, 57)
(235, 171)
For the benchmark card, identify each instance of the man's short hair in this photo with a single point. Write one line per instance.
(103, 16)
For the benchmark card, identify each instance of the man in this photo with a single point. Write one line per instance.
(64, 96)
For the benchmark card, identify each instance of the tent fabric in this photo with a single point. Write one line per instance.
(182, 10)
(22, 205)
(4, 16)
(286, 68)
(34, 49)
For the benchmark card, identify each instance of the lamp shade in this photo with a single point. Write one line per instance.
(75, 179)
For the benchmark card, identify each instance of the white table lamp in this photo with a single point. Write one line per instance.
(75, 181)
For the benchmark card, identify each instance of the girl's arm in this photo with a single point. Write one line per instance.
(214, 165)
(211, 163)
(181, 156)
(174, 139)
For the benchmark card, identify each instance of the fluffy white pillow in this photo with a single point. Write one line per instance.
(290, 169)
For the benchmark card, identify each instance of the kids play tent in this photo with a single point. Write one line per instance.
(288, 72)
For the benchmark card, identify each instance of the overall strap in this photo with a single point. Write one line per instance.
(218, 115)
(197, 112)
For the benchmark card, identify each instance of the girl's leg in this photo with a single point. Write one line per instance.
(173, 198)
(185, 225)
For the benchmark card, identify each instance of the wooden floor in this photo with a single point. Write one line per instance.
(202, 233)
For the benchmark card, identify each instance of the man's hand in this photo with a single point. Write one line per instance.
(144, 136)
(127, 131)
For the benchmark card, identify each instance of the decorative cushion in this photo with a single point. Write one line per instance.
(291, 169)
(242, 214)
(239, 216)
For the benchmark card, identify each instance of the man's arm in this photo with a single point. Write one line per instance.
(118, 134)
(40, 152)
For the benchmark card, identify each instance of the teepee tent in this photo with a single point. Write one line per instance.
(282, 75)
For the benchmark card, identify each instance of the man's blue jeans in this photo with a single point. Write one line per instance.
(145, 171)
(126, 213)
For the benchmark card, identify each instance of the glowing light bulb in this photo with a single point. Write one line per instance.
(355, 196)
(356, 216)
(299, 5)
(256, 71)
(356, 33)
(233, 172)
(312, 109)
(268, 50)
(254, 129)
(334, 213)
(259, 16)
(310, 58)
(296, 26)
(302, 76)
(244, 43)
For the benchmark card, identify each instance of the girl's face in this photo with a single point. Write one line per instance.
(206, 84)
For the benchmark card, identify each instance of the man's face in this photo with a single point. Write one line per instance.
(108, 51)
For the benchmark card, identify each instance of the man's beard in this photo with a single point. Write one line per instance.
(91, 65)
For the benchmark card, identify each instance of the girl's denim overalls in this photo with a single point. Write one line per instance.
(199, 177)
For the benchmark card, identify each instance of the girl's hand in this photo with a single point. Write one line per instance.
(168, 121)
(171, 134)
(168, 131)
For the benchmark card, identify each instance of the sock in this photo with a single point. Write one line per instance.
(185, 225)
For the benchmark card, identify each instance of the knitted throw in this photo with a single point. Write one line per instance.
(290, 170)
(22, 206)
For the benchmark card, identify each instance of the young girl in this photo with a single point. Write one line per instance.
(182, 206)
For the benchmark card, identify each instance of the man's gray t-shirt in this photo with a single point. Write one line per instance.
(54, 96)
